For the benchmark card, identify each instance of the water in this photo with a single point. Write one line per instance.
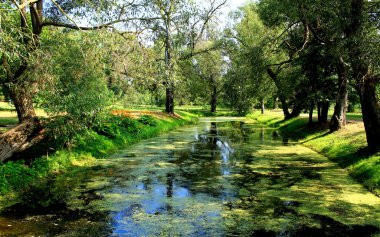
(222, 177)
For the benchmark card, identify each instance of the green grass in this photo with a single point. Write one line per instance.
(355, 116)
(16, 177)
(346, 147)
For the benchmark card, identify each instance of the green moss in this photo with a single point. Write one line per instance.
(346, 147)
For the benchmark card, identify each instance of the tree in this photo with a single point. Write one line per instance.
(247, 81)
(361, 31)
(180, 26)
(350, 28)
(20, 41)
(204, 75)
(75, 99)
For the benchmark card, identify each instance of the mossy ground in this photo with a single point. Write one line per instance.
(346, 147)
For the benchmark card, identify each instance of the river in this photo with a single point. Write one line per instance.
(221, 177)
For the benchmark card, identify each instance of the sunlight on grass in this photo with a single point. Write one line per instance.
(343, 147)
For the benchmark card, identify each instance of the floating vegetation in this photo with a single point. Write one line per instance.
(214, 179)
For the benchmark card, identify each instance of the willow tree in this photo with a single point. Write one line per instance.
(248, 81)
(180, 26)
(203, 75)
(21, 25)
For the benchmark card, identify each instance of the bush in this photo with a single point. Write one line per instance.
(148, 120)
(14, 175)
(130, 124)
(114, 125)
(75, 94)
(110, 127)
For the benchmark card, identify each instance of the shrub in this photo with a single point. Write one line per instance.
(130, 124)
(14, 175)
(148, 120)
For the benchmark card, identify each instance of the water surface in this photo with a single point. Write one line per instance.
(222, 177)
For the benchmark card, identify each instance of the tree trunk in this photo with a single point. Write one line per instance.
(311, 113)
(214, 99)
(338, 119)
(323, 112)
(319, 108)
(371, 112)
(295, 112)
(281, 96)
(23, 102)
(20, 138)
(214, 96)
(262, 104)
(169, 64)
(169, 101)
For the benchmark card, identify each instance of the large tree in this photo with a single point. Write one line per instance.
(203, 75)
(22, 24)
(361, 27)
(350, 28)
(249, 51)
(179, 27)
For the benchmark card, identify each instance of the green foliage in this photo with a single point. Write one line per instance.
(113, 126)
(76, 94)
(203, 75)
(14, 175)
(148, 120)
(247, 80)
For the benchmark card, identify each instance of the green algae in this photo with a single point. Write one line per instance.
(226, 178)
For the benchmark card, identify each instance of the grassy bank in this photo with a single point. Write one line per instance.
(346, 147)
(117, 132)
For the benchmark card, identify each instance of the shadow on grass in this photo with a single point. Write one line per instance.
(344, 149)
(8, 121)
(300, 129)
(352, 158)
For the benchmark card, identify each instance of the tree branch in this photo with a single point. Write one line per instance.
(209, 15)
(103, 26)
(192, 53)
(25, 4)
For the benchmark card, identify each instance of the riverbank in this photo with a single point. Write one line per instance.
(120, 131)
(346, 147)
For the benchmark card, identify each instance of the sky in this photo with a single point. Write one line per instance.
(232, 5)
